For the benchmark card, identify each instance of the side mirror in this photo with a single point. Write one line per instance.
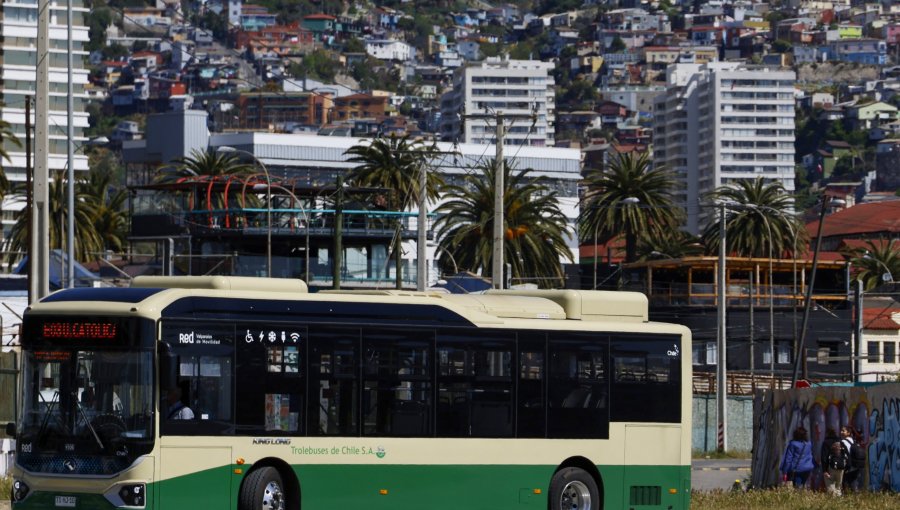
(11, 429)
(168, 367)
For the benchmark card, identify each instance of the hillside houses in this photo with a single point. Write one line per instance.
(620, 53)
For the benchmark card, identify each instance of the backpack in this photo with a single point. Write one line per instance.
(838, 461)
(857, 456)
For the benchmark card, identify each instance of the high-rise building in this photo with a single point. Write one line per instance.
(722, 122)
(513, 87)
(18, 60)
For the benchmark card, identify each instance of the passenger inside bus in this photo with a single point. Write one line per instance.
(177, 409)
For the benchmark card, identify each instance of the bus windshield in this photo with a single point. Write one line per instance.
(83, 405)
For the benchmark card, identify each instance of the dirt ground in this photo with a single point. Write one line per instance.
(836, 73)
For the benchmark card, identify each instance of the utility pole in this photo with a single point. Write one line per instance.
(338, 232)
(497, 261)
(499, 220)
(29, 193)
(800, 348)
(69, 280)
(855, 357)
(421, 266)
(39, 256)
(721, 374)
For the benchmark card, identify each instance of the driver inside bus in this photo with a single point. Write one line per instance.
(177, 410)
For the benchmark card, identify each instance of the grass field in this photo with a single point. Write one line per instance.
(789, 499)
(730, 454)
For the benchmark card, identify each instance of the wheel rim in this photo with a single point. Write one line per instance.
(575, 496)
(273, 498)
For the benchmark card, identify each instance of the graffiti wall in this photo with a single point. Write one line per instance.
(874, 411)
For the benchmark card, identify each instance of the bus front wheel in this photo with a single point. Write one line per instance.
(573, 488)
(262, 490)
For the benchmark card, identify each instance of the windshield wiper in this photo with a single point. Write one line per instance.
(88, 422)
(47, 414)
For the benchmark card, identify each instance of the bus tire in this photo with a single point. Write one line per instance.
(262, 490)
(573, 488)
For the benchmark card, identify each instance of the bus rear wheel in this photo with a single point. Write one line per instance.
(573, 488)
(262, 490)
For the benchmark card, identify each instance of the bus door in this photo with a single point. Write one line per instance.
(646, 389)
(197, 418)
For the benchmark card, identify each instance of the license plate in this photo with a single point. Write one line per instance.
(66, 501)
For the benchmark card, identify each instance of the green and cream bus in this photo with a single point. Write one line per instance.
(251, 393)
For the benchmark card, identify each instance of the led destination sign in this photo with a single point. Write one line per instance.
(80, 330)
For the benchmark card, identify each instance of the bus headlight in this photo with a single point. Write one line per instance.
(19, 491)
(133, 494)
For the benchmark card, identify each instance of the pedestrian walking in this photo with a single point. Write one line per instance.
(797, 463)
(856, 456)
(831, 437)
(836, 463)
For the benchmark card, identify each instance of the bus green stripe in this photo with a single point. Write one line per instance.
(436, 487)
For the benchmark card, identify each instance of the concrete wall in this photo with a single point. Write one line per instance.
(873, 410)
(739, 423)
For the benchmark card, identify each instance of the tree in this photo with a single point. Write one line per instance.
(354, 45)
(617, 45)
(756, 208)
(317, 64)
(874, 260)
(781, 46)
(393, 164)
(581, 94)
(535, 226)
(7, 139)
(114, 51)
(609, 206)
(98, 20)
(107, 203)
(89, 239)
(671, 244)
(207, 167)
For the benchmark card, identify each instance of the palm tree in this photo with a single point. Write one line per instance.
(756, 208)
(671, 244)
(107, 205)
(6, 134)
(536, 230)
(393, 164)
(88, 236)
(875, 260)
(628, 194)
(208, 168)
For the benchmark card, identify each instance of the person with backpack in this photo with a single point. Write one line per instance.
(835, 464)
(856, 455)
(831, 437)
(797, 463)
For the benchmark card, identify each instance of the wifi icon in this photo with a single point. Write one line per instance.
(295, 337)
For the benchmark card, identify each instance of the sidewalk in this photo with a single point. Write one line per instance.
(4, 505)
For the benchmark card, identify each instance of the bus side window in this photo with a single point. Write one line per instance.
(579, 387)
(647, 382)
(531, 397)
(397, 387)
(475, 386)
(334, 382)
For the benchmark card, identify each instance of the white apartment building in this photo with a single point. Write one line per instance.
(722, 122)
(18, 56)
(390, 49)
(512, 87)
(880, 334)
